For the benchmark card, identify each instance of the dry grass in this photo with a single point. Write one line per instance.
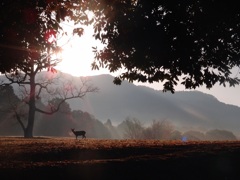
(66, 158)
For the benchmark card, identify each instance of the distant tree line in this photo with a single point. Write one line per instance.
(133, 129)
(211, 135)
(60, 123)
(164, 130)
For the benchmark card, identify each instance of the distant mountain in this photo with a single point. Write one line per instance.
(185, 109)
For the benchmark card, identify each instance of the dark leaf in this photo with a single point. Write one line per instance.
(78, 31)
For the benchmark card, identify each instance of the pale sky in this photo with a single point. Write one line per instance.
(228, 95)
(77, 58)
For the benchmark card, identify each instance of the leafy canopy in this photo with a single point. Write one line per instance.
(192, 42)
(29, 31)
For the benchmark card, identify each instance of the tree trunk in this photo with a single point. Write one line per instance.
(28, 133)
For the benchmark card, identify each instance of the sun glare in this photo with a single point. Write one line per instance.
(77, 54)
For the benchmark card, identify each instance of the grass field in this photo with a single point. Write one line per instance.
(67, 158)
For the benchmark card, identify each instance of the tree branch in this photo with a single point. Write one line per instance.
(66, 92)
(19, 120)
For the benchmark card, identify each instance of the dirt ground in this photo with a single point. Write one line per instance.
(67, 158)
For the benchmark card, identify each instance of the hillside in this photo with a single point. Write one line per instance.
(186, 109)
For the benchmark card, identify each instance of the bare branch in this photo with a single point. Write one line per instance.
(19, 119)
(16, 77)
(66, 91)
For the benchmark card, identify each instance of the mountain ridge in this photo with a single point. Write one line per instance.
(186, 110)
(193, 110)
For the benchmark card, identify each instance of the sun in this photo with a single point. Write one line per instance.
(76, 60)
(77, 55)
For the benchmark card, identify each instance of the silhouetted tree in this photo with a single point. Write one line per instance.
(112, 129)
(159, 130)
(217, 134)
(133, 128)
(108, 123)
(190, 42)
(176, 135)
(194, 135)
(28, 44)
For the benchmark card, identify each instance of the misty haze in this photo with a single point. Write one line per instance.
(110, 112)
(72, 101)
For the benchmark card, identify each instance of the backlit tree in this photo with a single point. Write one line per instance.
(29, 30)
(194, 42)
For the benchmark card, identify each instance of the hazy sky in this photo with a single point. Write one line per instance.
(228, 95)
(77, 57)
